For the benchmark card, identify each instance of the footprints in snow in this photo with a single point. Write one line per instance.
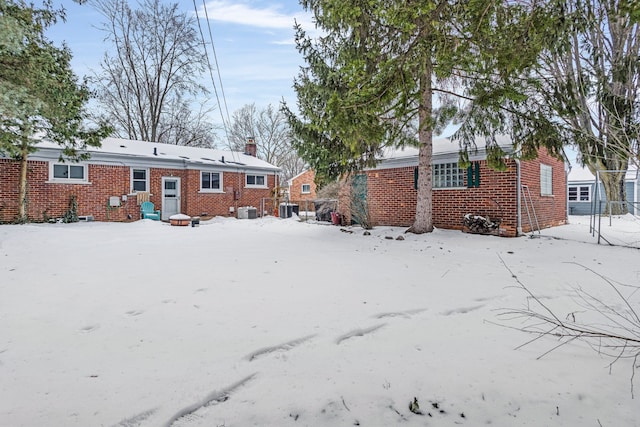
(213, 398)
(462, 310)
(189, 413)
(281, 347)
(406, 314)
(134, 313)
(359, 333)
(89, 328)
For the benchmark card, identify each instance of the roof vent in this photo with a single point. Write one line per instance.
(123, 146)
(222, 160)
(155, 151)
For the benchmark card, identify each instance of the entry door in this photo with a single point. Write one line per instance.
(359, 206)
(170, 196)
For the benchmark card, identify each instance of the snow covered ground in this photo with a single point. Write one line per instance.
(282, 323)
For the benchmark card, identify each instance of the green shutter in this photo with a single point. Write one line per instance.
(473, 175)
(415, 178)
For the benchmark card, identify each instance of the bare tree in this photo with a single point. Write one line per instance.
(272, 135)
(148, 85)
(609, 325)
(590, 83)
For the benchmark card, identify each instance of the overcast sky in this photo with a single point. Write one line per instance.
(254, 42)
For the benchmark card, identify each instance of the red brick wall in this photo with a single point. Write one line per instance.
(51, 200)
(550, 210)
(295, 191)
(392, 198)
(216, 204)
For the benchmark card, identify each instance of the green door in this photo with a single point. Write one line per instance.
(359, 207)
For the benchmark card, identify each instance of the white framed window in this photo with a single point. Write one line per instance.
(579, 193)
(306, 188)
(211, 182)
(139, 180)
(68, 172)
(256, 181)
(447, 175)
(546, 180)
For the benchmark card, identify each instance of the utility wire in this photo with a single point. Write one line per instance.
(215, 58)
(225, 125)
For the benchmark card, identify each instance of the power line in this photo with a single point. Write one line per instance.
(215, 58)
(225, 125)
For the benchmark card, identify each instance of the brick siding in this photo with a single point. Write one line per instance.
(391, 197)
(295, 190)
(51, 200)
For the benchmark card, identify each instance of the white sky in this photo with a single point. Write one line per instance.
(274, 322)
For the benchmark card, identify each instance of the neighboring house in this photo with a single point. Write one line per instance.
(512, 196)
(581, 191)
(302, 186)
(120, 175)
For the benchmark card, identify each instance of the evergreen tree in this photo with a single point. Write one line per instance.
(40, 97)
(389, 73)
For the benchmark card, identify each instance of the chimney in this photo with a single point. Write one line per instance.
(251, 149)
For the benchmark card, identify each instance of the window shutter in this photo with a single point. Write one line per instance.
(473, 175)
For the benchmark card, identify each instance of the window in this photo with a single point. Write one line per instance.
(306, 188)
(580, 193)
(256, 181)
(68, 172)
(447, 175)
(546, 181)
(139, 180)
(211, 181)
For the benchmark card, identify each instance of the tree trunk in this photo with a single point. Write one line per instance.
(22, 186)
(423, 222)
(613, 184)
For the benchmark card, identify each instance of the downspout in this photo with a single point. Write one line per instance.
(567, 171)
(519, 197)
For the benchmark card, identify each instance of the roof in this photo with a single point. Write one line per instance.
(154, 152)
(290, 180)
(444, 149)
(582, 174)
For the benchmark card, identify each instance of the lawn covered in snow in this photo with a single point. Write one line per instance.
(274, 322)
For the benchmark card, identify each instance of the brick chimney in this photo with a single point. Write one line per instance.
(251, 148)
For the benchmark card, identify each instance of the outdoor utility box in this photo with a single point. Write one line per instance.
(247, 212)
(287, 210)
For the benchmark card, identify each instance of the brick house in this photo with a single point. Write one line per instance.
(121, 174)
(516, 197)
(302, 187)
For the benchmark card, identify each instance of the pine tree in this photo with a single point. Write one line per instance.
(389, 73)
(40, 97)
